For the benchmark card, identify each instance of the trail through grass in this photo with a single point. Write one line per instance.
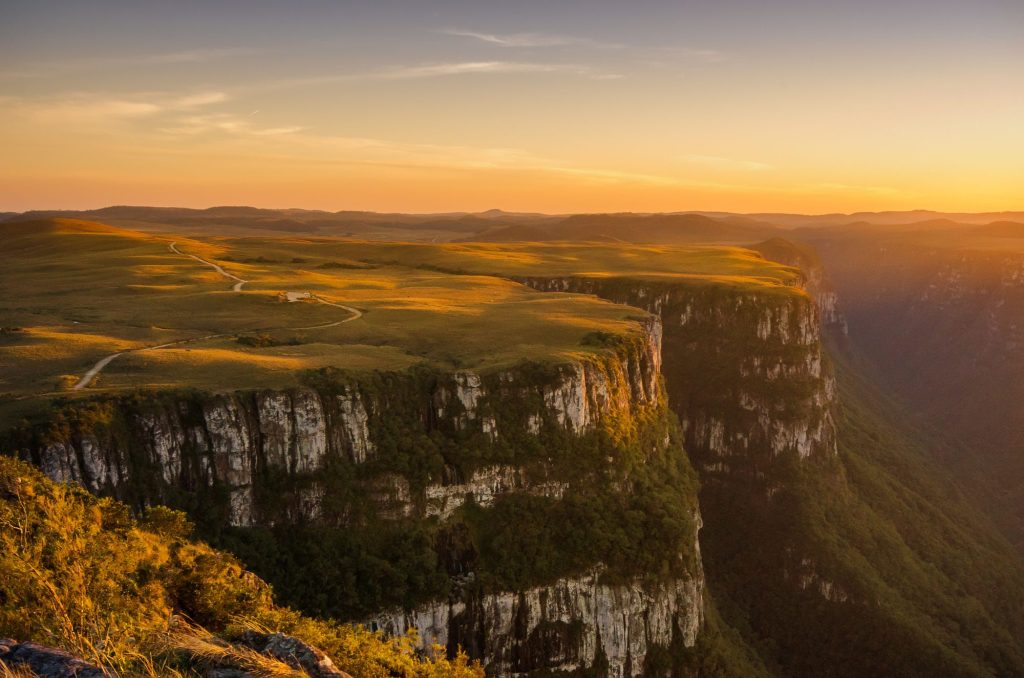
(88, 377)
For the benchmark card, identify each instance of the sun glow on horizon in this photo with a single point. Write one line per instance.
(741, 108)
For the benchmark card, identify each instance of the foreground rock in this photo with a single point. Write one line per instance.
(46, 662)
(49, 662)
(293, 652)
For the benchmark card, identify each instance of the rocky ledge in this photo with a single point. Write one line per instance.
(150, 450)
(572, 624)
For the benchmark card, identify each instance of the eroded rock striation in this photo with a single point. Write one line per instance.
(153, 448)
(746, 371)
(568, 625)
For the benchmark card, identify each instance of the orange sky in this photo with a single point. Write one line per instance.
(352, 107)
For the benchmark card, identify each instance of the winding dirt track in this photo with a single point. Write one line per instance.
(238, 284)
(237, 287)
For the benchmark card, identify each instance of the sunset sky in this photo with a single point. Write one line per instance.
(740, 105)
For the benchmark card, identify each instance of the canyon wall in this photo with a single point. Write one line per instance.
(421, 449)
(745, 365)
(447, 453)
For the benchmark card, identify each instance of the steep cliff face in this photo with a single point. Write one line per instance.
(802, 544)
(574, 623)
(745, 369)
(815, 281)
(227, 441)
(431, 453)
(756, 398)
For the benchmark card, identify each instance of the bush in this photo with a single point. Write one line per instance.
(80, 574)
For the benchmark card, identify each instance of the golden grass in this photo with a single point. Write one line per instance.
(731, 263)
(70, 340)
(19, 671)
(85, 291)
(200, 645)
(105, 588)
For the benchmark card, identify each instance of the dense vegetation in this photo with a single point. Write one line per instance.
(939, 324)
(80, 573)
(629, 505)
(869, 564)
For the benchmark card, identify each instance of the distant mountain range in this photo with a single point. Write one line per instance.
(500, 226)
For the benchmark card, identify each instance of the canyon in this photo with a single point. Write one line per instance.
(679, 474)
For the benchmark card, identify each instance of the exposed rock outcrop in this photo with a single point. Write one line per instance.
(815, 281)
(229, 443)
(745, 368)
(296, 653)
(484, 486)
(46, 662)
(566, 626)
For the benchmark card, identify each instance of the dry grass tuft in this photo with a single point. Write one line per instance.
(200, 645)
(20, 671)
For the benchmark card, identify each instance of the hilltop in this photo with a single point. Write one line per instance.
(77, 292)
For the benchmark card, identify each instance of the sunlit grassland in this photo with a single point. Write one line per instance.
(700, 263)
(78, 291)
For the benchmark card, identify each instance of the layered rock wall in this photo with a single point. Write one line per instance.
(572, 624)
(228, 442)
(495, 435)
(745, 368)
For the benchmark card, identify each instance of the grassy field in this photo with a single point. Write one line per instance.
(74, 292)
(714, 263)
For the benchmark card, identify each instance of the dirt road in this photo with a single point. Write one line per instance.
(88, 377)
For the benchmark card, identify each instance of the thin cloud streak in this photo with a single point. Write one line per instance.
(530, 39)
(295, 144)
(228, 123)
(673, 56)
(483, 67)
(436, 70)
(87, 107)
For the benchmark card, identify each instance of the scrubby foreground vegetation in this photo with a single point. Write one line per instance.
(140, 598)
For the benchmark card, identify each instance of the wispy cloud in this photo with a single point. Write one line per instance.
(199, 99)
(672, 56)
(303, 147)
(276, 131)
(436, 70)
(529, 39)
(726, 164)
(167, 113)
(482, 67)
(85, 107)
(696, 54)
(229, 123)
